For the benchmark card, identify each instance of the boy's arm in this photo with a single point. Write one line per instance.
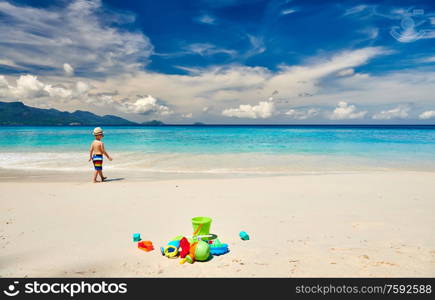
(104, 151)
(91, 151)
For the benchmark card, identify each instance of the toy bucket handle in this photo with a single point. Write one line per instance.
(197, 229)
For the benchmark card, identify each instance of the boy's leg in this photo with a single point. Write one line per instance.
(101, 175)
(95, 176)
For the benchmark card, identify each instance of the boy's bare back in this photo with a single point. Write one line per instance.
(97, 147)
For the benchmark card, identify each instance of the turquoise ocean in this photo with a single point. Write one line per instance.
(223, 149)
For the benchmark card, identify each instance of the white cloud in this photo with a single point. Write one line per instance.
(344, 111)
(263, 110)
(302, 114)
(4, 87)
(146, 105)
(79, 33)
(28, 86)
(187, 116)
(58, 91)
(68, 69)
(429, 59)
(356, 9)
(224, 88)
(429, 114)
(205, 49)
(3, 82)
(292, 81)
(346, 72)
(287, 11)
(257, 46)
(399, 112)
(206, 19)
(372, 33)
(82, 87)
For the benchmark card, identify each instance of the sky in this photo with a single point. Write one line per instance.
(223, 61)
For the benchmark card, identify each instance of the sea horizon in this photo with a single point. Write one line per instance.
(367, 125)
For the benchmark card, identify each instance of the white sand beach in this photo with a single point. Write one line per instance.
(361, 224)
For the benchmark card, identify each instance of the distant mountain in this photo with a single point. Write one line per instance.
(153, 123)
(16, 113)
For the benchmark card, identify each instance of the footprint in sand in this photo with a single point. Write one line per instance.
(80, 272)
(295, 265)
(379, 263)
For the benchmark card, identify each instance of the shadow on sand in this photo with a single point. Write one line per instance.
(114, 179)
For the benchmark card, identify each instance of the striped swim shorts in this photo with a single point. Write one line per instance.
(98, 161)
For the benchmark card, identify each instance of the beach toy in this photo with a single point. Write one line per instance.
(217, 248)
(136, 237)
(201, 225)
(189, 259)
(184, 247)
(202, 251)
(171, 251)
(244, 236)
(145, 245)
(207, 237)
(176, 244)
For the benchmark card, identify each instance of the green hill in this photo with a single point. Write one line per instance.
(16, 113)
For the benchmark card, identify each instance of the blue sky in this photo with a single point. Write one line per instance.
(228, 61)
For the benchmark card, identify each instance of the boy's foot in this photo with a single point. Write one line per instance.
(104, 178)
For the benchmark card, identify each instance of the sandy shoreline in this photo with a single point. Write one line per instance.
(372, 224)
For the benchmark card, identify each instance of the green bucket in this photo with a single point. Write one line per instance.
(201, 225)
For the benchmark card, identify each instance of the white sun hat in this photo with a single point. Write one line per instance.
(98, 131)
